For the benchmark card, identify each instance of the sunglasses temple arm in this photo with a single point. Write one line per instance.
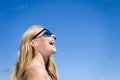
(38, 33)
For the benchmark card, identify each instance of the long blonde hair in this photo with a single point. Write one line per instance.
(26, 55)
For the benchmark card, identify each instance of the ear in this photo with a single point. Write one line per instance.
(34, 43)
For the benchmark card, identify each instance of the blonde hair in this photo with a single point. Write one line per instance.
(26, 55)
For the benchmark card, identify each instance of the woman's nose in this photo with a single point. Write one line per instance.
(53, 36)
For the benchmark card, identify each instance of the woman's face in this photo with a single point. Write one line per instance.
(45, 43)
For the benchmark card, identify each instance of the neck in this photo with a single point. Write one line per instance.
(40, 60)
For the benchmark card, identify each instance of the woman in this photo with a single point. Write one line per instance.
(35, 56)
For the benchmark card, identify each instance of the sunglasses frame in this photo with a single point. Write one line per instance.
(43, 33)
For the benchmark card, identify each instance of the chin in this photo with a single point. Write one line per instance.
(51, 50)
(54, 51)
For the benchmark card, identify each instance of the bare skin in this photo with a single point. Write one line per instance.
(43, 50)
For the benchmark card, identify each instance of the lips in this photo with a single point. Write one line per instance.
(52, 42)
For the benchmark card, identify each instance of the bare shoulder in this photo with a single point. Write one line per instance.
(37, 73)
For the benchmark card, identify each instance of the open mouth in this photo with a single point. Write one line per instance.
(52, 43)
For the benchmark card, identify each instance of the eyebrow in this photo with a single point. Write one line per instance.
(38, 33)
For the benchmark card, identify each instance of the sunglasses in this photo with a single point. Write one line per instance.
(47, 33)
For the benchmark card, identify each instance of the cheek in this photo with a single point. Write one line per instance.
(44, 47)
(43, 43)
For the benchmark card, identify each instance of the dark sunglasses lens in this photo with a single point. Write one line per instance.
(47, 34)
(55, 38)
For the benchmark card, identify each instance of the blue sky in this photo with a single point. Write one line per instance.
(87, 31)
